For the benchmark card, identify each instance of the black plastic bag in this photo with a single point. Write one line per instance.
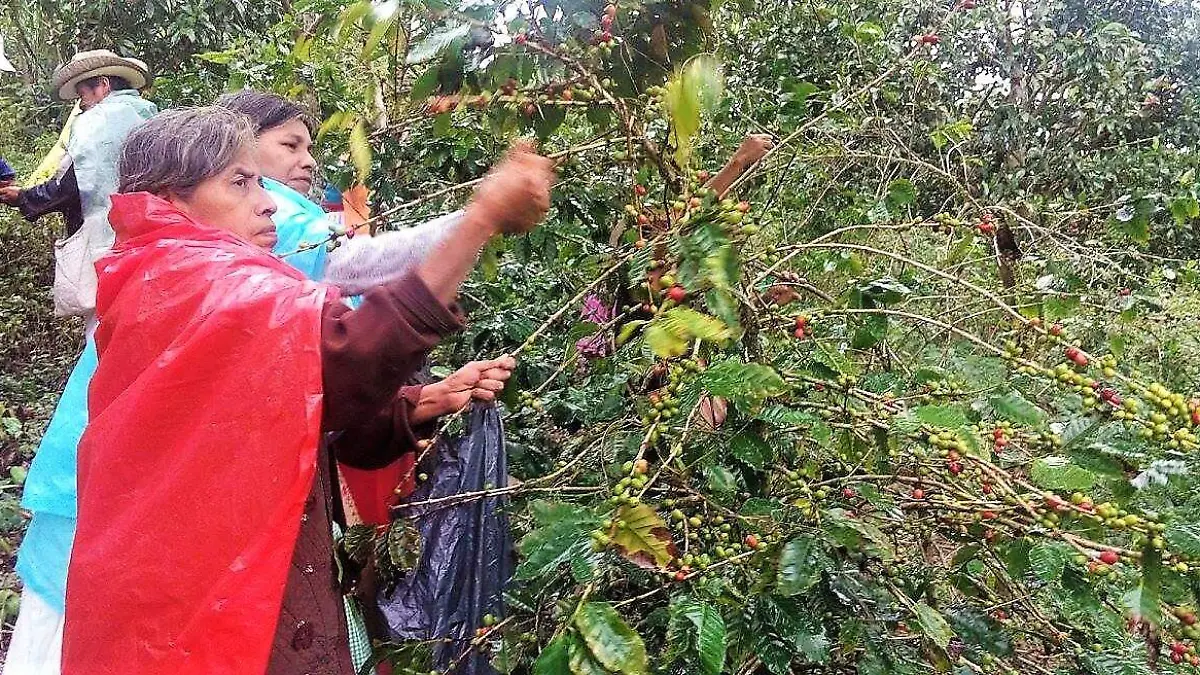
(466, 550)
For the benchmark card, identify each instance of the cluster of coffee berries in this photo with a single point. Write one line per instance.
(528, 400)
(949, 446)
(943, 389)
(634, 480)
(802, 326)
(945, 223)
(527, 102)
(987, 225)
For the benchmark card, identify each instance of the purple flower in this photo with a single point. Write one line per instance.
(594, 310)
(593, 347)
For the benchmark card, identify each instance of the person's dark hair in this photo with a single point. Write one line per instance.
(115, 81)
(267, 111)
(174, 151)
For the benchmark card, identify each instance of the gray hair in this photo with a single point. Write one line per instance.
(175, 151)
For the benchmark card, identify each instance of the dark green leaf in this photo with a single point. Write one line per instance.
(750, 450)
(563, 536)
(554, 660)
(801, 563)
(746, 385)
(437, 42)
(580, 659)
(720, 479)
(548, 120)
(1184, 537)
(708, 632)
(780, 416)
(901, 192)
(1145, 601)
(1047, 560)
(1113, 663)
(871, 332)
(965, 555)
(1184, 209)
(1017, 409)
(857, 534)
(942, 416)
(611, 642)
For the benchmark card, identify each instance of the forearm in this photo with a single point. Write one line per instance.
(429, 404)
(362, 263)
(724, 179)
(368, 353)
(452, 260)
(52, 196)
(380, 439)
(513, 197)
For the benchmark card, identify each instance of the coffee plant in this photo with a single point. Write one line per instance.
(916, 393)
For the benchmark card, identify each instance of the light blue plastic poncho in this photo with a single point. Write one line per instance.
(50, 492)
(93, 149)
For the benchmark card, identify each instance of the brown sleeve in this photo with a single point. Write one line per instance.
(369, 352)
(386, 436)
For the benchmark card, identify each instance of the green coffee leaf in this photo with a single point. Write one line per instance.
(693, 92)
(801, 563)
(1047, 560)
(611, 642)
(1017, 409)
(554, 657)
(645, 539)
(933, 625)
(746, 385)
(563, 535)
(708, 632)
(1059, 473)
(1184, 537)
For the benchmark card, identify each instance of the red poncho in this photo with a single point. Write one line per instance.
(205, 414)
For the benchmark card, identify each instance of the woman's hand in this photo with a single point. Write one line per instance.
(511, 199)
(10, 194)
(515, 196)
(752, 149)
(478, 380)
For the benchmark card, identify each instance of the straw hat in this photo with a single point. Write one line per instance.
(94, 64)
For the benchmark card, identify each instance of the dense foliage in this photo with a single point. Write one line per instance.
(918, 396)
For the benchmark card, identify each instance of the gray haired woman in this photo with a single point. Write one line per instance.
(220, 367)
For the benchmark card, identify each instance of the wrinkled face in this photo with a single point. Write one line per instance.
(234, 200)
(91, 95)
(285, 154)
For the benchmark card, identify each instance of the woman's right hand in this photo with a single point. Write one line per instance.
(515, 195)
(512, 199)
(478, 380)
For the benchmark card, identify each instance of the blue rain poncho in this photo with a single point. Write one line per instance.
(93, 150)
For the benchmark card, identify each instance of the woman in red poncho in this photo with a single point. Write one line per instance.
(205, 497)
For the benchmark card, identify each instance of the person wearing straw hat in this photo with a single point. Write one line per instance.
(106, 86)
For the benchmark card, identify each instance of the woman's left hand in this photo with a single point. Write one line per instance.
(10, 194)
(478, 380)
